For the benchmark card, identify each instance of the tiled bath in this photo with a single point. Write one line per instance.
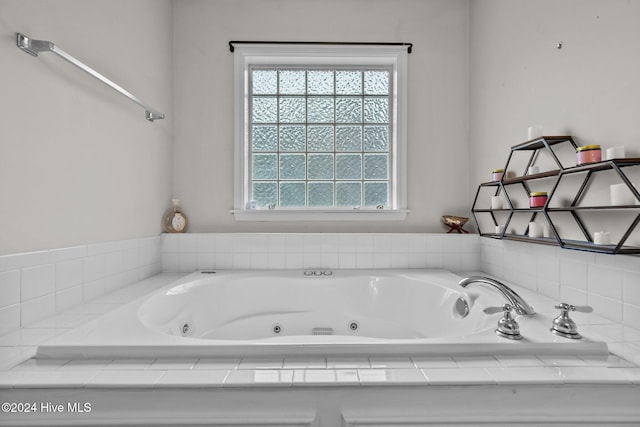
(551, 280)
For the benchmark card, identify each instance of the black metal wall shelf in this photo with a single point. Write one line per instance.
(553, 178)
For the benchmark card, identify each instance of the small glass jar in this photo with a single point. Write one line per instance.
(174, 220)
(588, 154)
(497, 174)
(538, 199)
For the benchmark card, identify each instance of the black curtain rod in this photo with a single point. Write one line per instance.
(409, 45)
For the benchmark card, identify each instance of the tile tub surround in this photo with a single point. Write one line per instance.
(37, 285)
(296, 384)
(201, 251)
(608, 283)
(352, 390)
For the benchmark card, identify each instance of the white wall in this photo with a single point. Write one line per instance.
(78, 161)
(438, 98)
(590, 88)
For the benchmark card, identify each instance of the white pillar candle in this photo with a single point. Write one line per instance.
(533, 170)
(534, 132)
(601, 238)
(535, 230)
(620, 195)
(496, 202)
(615, 153)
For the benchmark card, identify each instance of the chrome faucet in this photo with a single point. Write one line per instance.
(519, 305)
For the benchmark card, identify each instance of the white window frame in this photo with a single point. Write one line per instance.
(247, 55)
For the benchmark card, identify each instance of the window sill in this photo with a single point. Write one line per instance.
(320, 215)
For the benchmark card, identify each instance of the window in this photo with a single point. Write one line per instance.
(320, 133)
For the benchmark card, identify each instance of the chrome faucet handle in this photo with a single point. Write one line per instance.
(494, 310)
(564, 326)
(580, 308)
(507, 325)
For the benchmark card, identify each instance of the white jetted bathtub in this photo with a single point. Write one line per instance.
(313, 312)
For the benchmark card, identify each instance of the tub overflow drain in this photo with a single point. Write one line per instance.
(353, 325)
(277, 329)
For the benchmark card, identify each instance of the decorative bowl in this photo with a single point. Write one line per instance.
(452, 220)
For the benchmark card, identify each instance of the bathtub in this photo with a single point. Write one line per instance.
(313, 312)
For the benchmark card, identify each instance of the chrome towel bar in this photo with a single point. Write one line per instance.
(33, 47)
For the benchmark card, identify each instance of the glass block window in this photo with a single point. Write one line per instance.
(320, 137)
(320, 129)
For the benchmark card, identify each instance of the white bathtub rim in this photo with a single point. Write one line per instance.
(82, 343)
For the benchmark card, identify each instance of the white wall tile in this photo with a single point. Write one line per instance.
(37, 281)
(434, 260)
(417, 243)
(295, 260)
(452, 261)
(452, 243)
(347, 260)
(574, 273)
(9, 318)
(66, 254)
(101, 248)
(331, 243)
(381, 260)
(399, 260)
(631, 287)
(604, 281)
(10, 262)
(242, 261)
(33, 259)
(69, 273)
(93, 290)
(188, 262)
(312, 260)
(206, 243)
(224, 243)
(259, 261)
(347, 243)
(548, 267)
(381, 243)
(364, 243)
(9, 288)
(277, 260)
(171, 262)
(606, 307)
(170, 243)
(417, 259)
(69, 298)
(631, 315)
(130, 259)
(94, 268)
(331, 260)
(224, 261)
(470, 262)
(114, 263)
(242, 243)
(549, 288)
(435, 243)
(294, 243)
(312, 243)
(37, 309)
(206, 260)
(277, 243)
(64, 277)
(573, 296)
(365, 260)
